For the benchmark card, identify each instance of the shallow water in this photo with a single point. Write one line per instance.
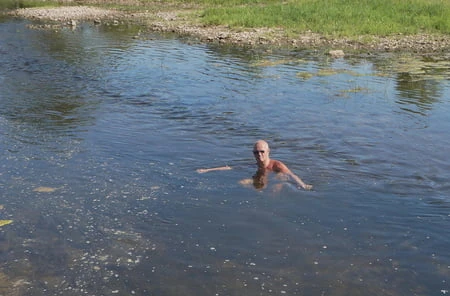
(113, 128)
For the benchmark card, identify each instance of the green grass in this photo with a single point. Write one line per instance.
(11, 4)
(334, 17)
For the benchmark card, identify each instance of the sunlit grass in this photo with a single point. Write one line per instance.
(25, 3)
(335, 17)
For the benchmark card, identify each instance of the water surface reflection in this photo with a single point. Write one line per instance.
(116, 126)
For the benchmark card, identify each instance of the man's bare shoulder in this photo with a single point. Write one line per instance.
(278, 166)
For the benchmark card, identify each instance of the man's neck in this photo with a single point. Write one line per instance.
(264, 165)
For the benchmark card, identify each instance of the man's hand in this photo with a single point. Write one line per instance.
(307, 187)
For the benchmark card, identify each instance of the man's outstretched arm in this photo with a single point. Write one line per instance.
(222, 168)
(299, 181)
(282, 168)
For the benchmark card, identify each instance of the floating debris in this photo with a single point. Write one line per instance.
(5, 222)
(44, 189)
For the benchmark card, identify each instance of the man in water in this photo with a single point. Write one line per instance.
(266, 165)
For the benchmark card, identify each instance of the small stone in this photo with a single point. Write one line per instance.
(336, 53)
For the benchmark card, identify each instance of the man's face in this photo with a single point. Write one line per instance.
(261, 152)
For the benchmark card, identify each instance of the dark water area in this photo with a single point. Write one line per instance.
(102, 133)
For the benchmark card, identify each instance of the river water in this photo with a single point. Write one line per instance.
(102, 133)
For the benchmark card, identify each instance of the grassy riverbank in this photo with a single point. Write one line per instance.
(327, 17)
(335, 17)
(346, 22)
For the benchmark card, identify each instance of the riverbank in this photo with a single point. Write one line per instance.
(181, 22)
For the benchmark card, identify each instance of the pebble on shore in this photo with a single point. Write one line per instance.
(67, 13)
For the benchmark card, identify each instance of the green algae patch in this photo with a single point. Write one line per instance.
(305, 75)
(355, 90)
(273, 63)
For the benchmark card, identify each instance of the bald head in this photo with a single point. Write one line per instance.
(261, 145)
(261, 152)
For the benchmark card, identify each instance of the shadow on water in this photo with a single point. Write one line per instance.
(102, 134)
(418, 96)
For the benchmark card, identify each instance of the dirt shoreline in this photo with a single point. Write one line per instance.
(173, 21)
